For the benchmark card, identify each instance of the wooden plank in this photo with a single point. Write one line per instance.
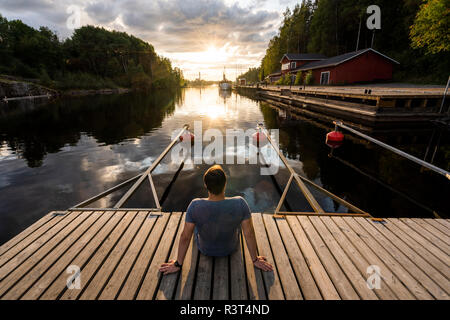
(152, 277)
(302, 271)
(333, 214)
(418, 267)
(59, 285)
(443, 229)
(255, 282)
(134, 279)
(410, 282)
(167, 287)
(202, 289)
(287, 277)
(271, 279)
(100, 279)
(38, 270)
(96, 260)
(340, 281)
(23, 251)
(353, 274)
(185, 284)
(22, 269)
(438, 242)
(118, 277)
(428, 245)
(220, 284)
(384, 292)
(409, 239)
(51, 274)
(370, 250)
(237, 273)
(319, 273)
(444, 222)
(26, 233)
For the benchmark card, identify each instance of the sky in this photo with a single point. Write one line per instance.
(196, 35)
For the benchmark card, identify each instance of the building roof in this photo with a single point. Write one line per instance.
(303, 56)
(278, 73)
(334, 61)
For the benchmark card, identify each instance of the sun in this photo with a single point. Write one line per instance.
(213, 54)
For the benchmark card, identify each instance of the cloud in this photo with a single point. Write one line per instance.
(172, 26)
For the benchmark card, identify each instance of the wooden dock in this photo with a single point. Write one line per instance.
(382, 105)
(118, 253)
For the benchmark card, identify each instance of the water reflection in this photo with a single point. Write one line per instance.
(54, 156)
(109, 119)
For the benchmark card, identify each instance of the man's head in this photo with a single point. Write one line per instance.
(215, 179)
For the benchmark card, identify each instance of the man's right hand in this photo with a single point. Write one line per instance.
(261, 263)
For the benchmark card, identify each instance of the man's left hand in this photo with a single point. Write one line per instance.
(168, 267)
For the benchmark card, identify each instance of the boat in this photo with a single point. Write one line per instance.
(225, 84)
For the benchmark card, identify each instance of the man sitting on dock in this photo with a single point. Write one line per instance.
(216, 223)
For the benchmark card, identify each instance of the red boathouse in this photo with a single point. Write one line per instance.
(366, 65)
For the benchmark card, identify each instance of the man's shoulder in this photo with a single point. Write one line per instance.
(237, 199)
(198, 200)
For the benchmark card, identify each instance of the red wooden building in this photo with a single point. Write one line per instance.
(366, 65)
(293, 61)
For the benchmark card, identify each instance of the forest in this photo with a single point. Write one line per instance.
(92, 58)
(414, 32)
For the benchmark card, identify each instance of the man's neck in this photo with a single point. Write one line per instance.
(216, 197)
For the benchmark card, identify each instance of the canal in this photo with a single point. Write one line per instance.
(55, 155)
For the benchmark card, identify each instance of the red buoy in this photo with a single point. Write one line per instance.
(259, 139)
(334, 139)
(335, 136)
(187, 137)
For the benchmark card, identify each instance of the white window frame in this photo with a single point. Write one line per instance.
(285, 66)
(293, 65)
(328, 79)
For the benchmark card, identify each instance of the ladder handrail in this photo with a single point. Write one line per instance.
(306, 192)
(140, 178)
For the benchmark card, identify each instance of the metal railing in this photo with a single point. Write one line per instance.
(300, 181)
(395, 150)
(138, 180)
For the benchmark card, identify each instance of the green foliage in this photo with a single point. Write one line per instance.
(280, 81)
(253, 75)
(44, 79)
(94, 55)
(83, 81)
(287, 80)
(331, 27)
(309, 79)
(431, 28)
(298, 78)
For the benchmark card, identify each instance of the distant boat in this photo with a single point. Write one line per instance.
(225, 84)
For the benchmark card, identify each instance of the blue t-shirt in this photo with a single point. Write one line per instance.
(217, 224)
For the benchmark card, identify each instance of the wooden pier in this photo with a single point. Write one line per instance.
(382, 105)
(318, 256)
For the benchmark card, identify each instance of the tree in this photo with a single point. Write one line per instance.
(298, 78)
(431, 28)
(252, 75)
(309, 79)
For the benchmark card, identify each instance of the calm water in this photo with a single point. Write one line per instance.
(54, 156)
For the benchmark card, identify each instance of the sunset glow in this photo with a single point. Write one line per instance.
(197, 36)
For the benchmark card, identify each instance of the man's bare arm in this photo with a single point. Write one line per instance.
(249, 234)
(185, 239)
